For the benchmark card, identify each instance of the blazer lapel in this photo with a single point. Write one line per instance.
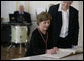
(70, 17)
(60, 18)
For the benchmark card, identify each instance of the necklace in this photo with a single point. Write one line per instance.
(45, 40)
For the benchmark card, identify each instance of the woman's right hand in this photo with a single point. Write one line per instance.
(48, 51)
(54, 50)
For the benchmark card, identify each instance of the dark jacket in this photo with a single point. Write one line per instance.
(56, 24)
(37, 45)
(25, 17)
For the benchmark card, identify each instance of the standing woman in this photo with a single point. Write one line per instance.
(41, 42)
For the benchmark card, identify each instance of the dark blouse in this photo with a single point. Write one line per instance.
(37, 45)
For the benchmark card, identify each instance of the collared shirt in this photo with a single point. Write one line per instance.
(21, 12)
(65, 22)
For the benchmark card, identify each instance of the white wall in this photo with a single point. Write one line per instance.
(39, 4)
(6, 8)
(11, 6)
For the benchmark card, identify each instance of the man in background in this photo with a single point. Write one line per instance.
(22, 17)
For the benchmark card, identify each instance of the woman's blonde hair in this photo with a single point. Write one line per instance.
(43, 16)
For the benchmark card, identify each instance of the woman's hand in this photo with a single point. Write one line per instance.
(48, 51)
(52, 51)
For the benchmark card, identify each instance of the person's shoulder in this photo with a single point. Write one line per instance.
(54, 6)
(73, 9)
(26, 13)
(15, 11)
(35, 32)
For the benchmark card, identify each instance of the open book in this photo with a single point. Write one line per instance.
(64, 53)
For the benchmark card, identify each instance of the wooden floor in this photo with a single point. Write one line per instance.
(12, 53)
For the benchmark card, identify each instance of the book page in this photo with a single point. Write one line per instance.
(62, 53)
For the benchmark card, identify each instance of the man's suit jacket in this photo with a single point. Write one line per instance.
(56, 24)
(25, 15)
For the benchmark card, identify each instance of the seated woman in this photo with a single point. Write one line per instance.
(41, 42)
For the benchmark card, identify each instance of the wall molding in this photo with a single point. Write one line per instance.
(29, 6)
(16, 5)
